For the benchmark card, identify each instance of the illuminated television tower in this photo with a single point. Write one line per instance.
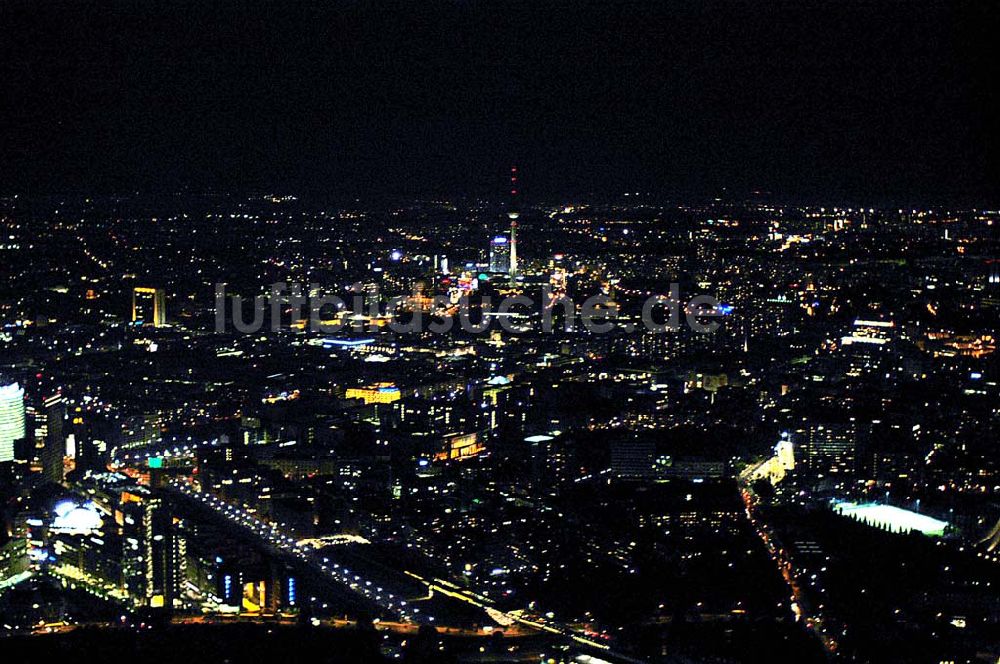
(513, 213)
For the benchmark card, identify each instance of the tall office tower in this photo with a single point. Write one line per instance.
(500, 254)
(54, 449)
(11, 419)
(513, 212)
(633, 459)
(155, 552)
(831, 448)
(133, 550)
(149, 306)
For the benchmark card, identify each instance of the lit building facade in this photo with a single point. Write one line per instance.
(831, 448)
(54, 450)
(11, 419)
(149, 306)
(500, 254)
(379, 393)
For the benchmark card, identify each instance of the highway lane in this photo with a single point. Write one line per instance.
(393, 602)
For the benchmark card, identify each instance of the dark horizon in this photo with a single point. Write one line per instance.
(814, 102)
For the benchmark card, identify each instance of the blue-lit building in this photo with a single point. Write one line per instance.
(500, 254)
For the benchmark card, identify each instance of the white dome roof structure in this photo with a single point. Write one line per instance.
(76, 519)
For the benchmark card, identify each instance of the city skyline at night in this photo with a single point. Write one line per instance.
(465, 332)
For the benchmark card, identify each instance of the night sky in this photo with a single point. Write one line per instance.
(813, 101)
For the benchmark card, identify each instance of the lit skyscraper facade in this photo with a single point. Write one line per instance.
(500, 255)
(831, 447)
(55, 438)
(11, 419)
(149, 306)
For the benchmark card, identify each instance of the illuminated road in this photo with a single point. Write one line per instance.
(273, 536)
(800, 604)
(403, 629)
(512, 618)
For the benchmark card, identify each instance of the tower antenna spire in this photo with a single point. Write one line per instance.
(513, 212)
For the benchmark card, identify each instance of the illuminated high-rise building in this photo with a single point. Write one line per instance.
(11, 419)
(500, 255)
(54, 449)
(831, 447)
(149, 306)
(503, 247)
(634, 459)
(155, 551)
